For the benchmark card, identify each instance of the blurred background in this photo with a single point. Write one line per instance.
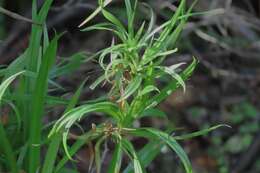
(224, 89)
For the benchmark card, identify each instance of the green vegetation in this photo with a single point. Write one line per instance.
(131, 65)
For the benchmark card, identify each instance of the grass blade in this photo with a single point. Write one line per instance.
(74, 115)
(7, 82)
(147, 154)
(131, 88)
(174, 75)
(38, 101)
(199, 133)
(97, 153)
(53, 149)
(115, 164)
(95, 13)
(51, 154)
(5, 145)
(172, 86)
(148, 89)
(170, 141)
(129, 149)
(109, 16)
(75, 147)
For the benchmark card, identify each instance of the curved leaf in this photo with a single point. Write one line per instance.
(115, 164)
(74, 115)
(148, 89)
(95, 13)
(129, 149)
(169, 140)
(97, 82)
(176, 76)
(109, 16)
(97, 153)
(107, 27)
(7, 82)
(153, 112)
(173, 85)
(5, 145)
(147, 154)
(82, 140)
(199, 133)
(51, 155)
(131, 88)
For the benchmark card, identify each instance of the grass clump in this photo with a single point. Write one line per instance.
(23, 135)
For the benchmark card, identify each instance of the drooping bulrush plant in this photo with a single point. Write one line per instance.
(132, 65)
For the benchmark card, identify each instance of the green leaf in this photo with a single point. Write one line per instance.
(7, 82)
(44, 11)
(160, 43)
(53, 149)
(139, 32)
(169, 27)
(46, 40)
(99, 26)
(147, 154)
(97, 82)
(199, 133)
(97, 154)
(129, 149)
(82, 140)
(52, 153)
(152, 21)
(204, 13)
(166, 53)
(107, 27)
(153, 112)
(95, 13)
(109, 16)
(148, 89)
(74, 115)
(176, 76)
(152, 149)
(130, 16)
(115, 165)
(38, 101)
(131, 88)
(172, 39)
(151, 34)
(170, 141)
(172, 86)
(5, 146)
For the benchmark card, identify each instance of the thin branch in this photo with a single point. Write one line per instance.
(16, 16)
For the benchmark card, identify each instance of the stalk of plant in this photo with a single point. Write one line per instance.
(135, 60)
